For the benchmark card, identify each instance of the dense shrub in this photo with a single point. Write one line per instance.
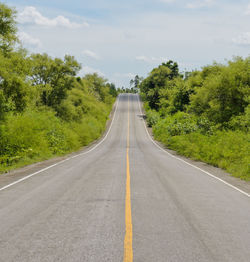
(36, 135)
(152, 117)
(205, 116)
(33, 135)
(178, 124)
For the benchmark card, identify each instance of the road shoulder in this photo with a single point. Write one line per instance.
(215, 171)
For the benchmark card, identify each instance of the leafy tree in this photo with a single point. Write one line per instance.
(173, 66)
(217, 93)
(175, 97)
(158, 79)
(14, 84)
(12, 65)
(53, 76)
(225, 91)
(8, 28)
(98, 86)
(112, 89)
(134, 83)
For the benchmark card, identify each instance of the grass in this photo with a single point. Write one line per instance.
(228, 150)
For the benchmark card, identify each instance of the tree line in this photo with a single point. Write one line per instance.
(46, 109)
(204, 114)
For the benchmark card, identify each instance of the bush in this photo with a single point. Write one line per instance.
(198, 139)
(37, 135)
(178, 124)
(205, 116)
(152, 117)
(34, 135)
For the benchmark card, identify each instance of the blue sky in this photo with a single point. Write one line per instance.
(119, 39)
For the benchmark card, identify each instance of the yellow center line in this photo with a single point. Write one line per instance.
(128, 249)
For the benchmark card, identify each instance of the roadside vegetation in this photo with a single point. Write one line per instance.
(204, 115)
(46, 110)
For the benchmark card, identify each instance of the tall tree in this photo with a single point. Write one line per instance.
(8, 28)
(134, 83)
(54, 76)
(157, 80)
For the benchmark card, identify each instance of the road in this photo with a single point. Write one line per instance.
(124, 200)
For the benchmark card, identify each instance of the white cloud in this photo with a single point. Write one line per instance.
(151, 59)
(125, 75)
(30, 15)
(247, 12)
(167, 1)
(142, 58)
(137, 40)
(89, 70)
(29, 40)
(91, 54)
(200, 4)
(242, 39)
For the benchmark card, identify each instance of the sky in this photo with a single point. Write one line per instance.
(119, 39)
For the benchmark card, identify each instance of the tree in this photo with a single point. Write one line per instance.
(225, 91)
(8, 28)
(97, 86)
(158, 79)
(112, 89)
(175, 97)
(134, 83)
(173, 66)
(53, 76)
(14, 84)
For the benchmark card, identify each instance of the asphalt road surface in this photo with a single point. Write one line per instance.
(124, 200)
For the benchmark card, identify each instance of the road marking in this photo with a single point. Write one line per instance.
(205, 172)
(128, 247)
(60, 162)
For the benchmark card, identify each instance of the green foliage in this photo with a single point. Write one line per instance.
(174, 69)
(8, 28)
(80, 103)
(38, 134)
(174, 97)
(13, 83)
(34, 135)
(152, 118)
(206, 115)
(179, 124)
(45, 108)
(218, 92)
(53, 77)
(112, 90)
(135, 83)
(225, 91)
(97, 86)
(241, 122)
(127, 90)
(157, 80)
